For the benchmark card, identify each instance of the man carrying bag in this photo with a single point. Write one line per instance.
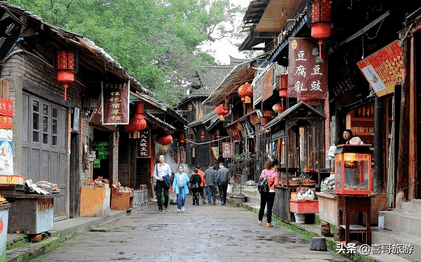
(162, 174)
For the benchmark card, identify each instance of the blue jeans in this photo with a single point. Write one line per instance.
(202, 193)
(211, 194)
(181, 199)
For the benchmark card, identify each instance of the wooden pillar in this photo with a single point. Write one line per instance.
(403, 156)
(412, 172)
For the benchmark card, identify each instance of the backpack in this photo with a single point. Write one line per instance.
(263, 185)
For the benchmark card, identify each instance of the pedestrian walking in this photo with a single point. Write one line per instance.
(267, 198)
(195, 182)
(180, 187)
(223, 179)
(202, 185)
(210, 177)
(162, 174)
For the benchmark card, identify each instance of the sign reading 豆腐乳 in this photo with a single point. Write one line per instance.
(307, 71)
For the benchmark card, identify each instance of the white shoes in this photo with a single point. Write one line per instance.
(178, 210)
(182, 209)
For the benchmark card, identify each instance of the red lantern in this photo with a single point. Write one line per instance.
(226, 109)
(202, 135)
(320, 21)
(220, 110)
(190, 137)
(137, 123)
(279, 107)
(164, 140)
(182, 139)
(241, 93)
(65, 69)
(213, 138)
(283, 86)
(247, 92)
(265, 120)
(217, 133)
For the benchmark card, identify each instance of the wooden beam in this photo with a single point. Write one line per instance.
(413, 162)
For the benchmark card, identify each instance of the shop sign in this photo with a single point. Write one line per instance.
(6, 157)
(234, 132)
(307, 72)
(268, 83)
(11, 28)
(227, 150)
(115, 103)
(97, 163)
(383, 69)
(102, 149)
(144, 144)
(215, 152)
(344, 88)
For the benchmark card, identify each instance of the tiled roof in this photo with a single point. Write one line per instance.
(203, 119)
(211, 76)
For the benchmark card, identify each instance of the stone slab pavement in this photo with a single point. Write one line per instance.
(200, 233)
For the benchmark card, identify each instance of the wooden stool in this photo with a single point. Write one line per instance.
(353, 203)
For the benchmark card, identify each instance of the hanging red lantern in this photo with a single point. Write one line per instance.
(137, 123)
(226, 109)
(221, 110)
(283, 86)
(164, 140)
(213, 138)
(320, 21)
(65, 69)
(181, 138)
(279, 107)
(241, 93)
(190, 137)
(218, 133)
(247, 92)
(202, 135)
(265, 120)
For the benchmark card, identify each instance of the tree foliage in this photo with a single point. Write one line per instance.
(154, 40)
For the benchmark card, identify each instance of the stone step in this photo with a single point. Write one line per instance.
(402, 222)
(388, 237)
(34, 250)
(412, 207)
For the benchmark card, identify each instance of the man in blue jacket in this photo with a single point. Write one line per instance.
(210, 177)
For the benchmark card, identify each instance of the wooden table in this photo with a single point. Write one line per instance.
(353, 203)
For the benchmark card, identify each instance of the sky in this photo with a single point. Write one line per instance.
(222, 49)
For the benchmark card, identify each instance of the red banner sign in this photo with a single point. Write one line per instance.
(307, 72)
(267, 84)
(115, 103)
(383, 68)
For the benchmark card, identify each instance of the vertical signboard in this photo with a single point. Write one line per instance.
(307, 71)
(268, 83)
(115, 103)
(144, 144)
(227, 149)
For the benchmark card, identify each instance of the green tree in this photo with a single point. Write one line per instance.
(154, 40)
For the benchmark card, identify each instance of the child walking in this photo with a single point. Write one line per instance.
(180, 187)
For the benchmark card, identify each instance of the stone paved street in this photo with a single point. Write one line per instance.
(200, 233)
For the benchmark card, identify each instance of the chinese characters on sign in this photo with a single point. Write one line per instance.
(383, 68)
(144, 146)
(9, 33)
(307, 73)
(227, 149)
(115, 100)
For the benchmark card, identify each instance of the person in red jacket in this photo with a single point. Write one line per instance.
(202, 185)
(268, 198)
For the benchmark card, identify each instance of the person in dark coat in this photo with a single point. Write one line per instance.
(210, 177)
(195, 182)
(222, 180)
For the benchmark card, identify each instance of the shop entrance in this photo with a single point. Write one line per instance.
(102, 147)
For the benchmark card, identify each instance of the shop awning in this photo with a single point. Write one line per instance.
(300, 111)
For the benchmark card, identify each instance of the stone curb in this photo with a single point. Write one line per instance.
(20, 250)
